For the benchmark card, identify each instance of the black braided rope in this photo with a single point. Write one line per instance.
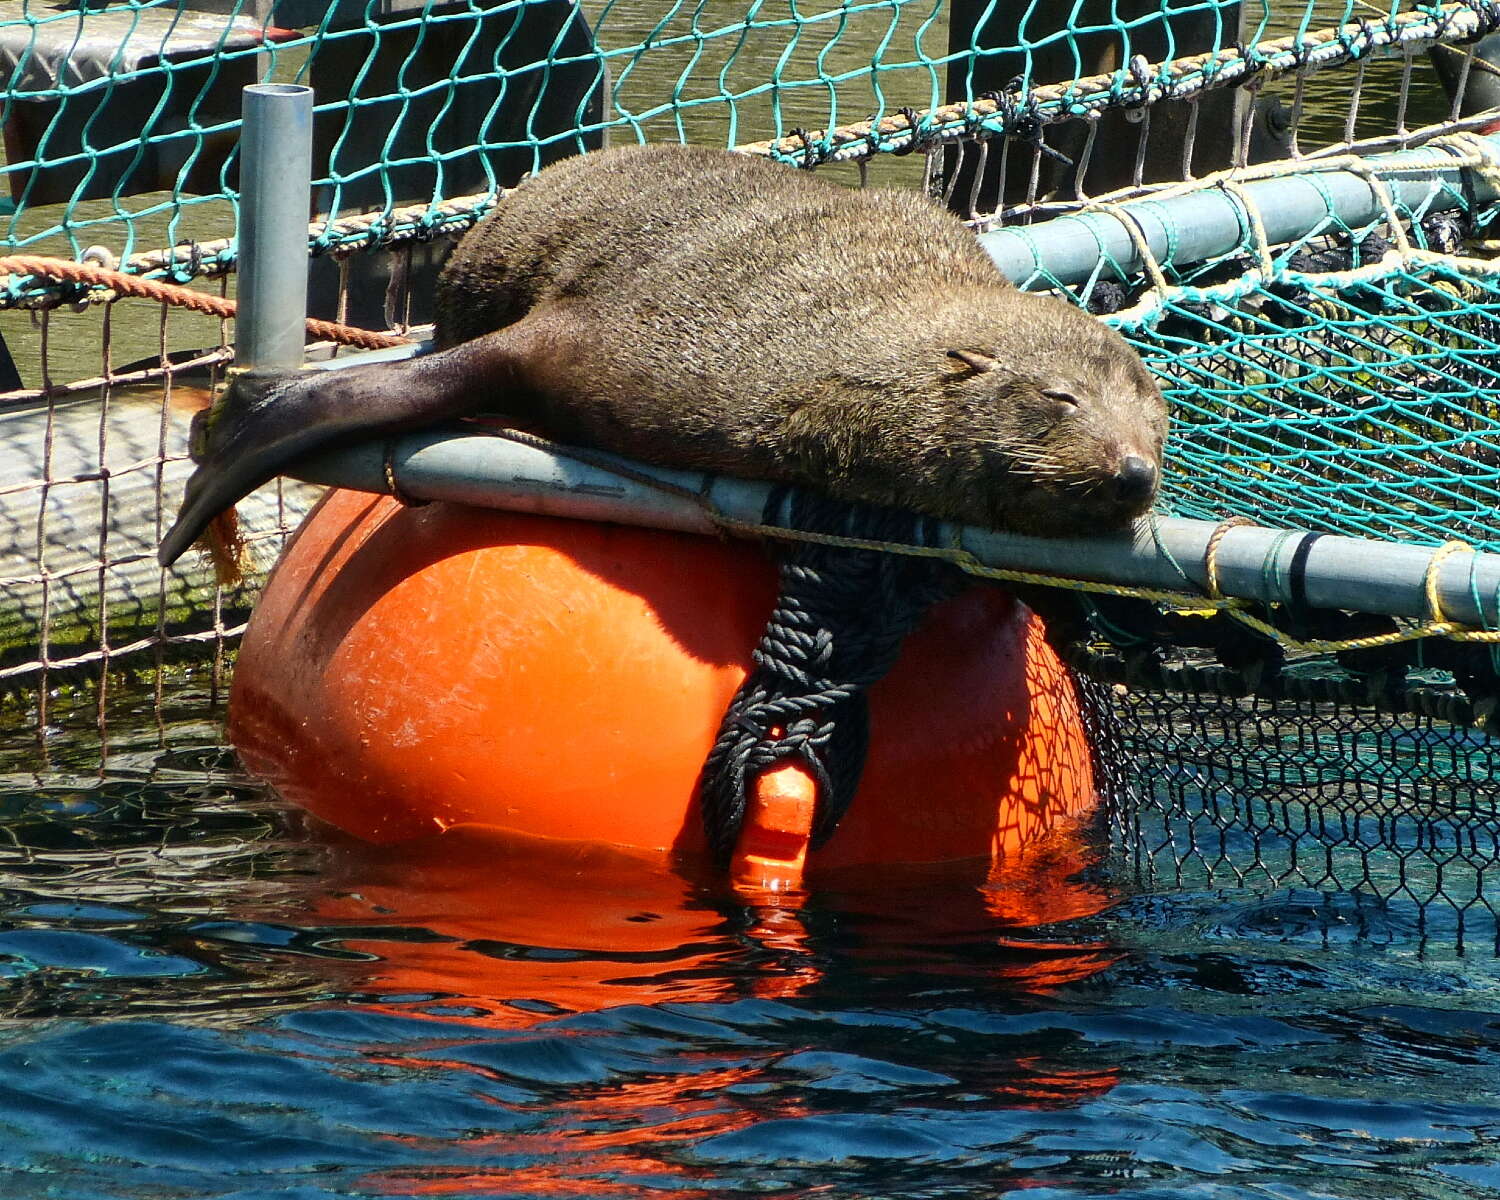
(839, 622)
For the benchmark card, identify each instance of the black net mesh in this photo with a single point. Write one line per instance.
(1229, 781)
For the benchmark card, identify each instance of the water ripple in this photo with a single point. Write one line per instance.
(200, 998)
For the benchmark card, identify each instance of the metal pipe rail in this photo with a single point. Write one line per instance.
(1253, 563)
(1195, 226)
(1266, 565)
(276, 184)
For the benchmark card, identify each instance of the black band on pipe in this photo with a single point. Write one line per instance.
(1296, 574)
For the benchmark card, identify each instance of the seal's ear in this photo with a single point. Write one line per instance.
(974, 360)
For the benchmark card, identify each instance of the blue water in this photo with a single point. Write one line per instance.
(203, 996)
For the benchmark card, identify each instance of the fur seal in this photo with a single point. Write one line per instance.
(711, 311)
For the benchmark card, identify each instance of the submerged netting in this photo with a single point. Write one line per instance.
(1341, 381)
(1275, 793)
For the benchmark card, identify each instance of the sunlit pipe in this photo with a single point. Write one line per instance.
(1200, 225)
(1254, 563)
(275, 185)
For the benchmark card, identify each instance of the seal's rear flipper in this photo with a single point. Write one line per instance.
(263, 423)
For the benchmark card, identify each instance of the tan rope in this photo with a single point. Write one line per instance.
(123, 284)
(1183, 79)
(1430, 577)
(1211, 554)
(1138, 239)
(1474, 150)
(1393, 220)
(410, 222)
(1257, 226)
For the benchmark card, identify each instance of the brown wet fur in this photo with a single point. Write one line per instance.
(699, 309)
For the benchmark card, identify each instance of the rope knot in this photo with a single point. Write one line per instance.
(838, 624)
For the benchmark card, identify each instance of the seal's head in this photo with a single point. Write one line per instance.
(1061, 437)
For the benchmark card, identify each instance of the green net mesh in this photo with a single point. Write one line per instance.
(1363, 407)
(121, 121)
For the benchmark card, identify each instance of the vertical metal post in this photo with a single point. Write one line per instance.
(1100, 36)
(275, 191)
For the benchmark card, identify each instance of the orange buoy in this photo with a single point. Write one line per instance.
(415, 670)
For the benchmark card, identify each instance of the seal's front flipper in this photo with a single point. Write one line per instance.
(263, 423)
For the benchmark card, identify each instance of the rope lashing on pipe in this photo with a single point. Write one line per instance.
(1231, 606)
(838, 624)
(1468, 151)
(123, 284)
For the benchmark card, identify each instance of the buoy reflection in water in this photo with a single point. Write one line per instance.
(582, 966)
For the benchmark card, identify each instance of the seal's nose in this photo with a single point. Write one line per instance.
(1135, 481)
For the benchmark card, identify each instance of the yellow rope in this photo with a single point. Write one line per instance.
(1430, 576)
(1211, 554)
(1186, 601)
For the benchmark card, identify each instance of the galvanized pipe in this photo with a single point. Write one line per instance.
(1253, 563)
(275, 192)
(1200, 225)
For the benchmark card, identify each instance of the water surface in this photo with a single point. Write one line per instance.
(203, 996)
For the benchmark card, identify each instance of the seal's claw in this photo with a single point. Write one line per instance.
(264, 423)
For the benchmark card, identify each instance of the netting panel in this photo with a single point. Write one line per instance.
(88, 482)
(122, 122)
(1348, 387)
(1274, 794)
(1364, 406)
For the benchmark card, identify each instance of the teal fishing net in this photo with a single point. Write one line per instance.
(122, 120)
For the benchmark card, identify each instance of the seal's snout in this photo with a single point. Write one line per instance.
(1135, 481)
